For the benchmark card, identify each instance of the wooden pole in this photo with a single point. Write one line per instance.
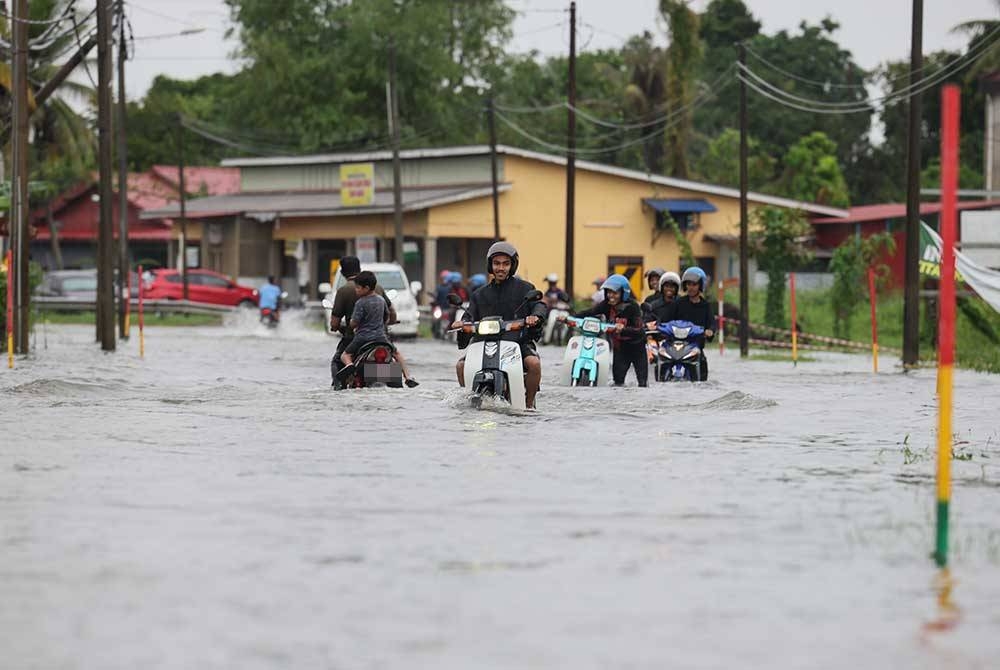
(182, 191)
(911, 280)
(397, 179)
(744, 326)
(124, 276)
(105, 231)
(571, 153)
(20, 237)
(950, 100)
(493, 168)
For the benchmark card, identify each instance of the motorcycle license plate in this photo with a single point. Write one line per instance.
(384, 373)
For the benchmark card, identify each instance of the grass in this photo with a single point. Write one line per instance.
(150, 319)
(780, 357)
(974, 349)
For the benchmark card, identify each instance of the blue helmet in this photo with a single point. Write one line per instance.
(618, 283)
(454, 277)
(692, 274)
(477, 280)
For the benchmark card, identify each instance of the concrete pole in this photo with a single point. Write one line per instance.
(105, 231)
(20, 239)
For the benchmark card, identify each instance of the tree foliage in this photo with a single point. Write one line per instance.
(812, 173)
(778, 240)
(721, 162)
(849, 265)
(683, 57)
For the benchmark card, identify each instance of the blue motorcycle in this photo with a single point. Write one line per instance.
(587, 360)
(679, 355)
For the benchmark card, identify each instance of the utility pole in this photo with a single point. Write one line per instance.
(105, 230)
(571, 153)
(911, 280)
(397, 185)
(183, 196)
(744, 324)
(20, 238)
(123, 265)
(493, 168)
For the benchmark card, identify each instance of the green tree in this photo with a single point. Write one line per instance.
(683, 56)
(849, 264)
(721, 162)
(317, 69)
(63, 146)
(646, 93)
(812, 173)
(778, 240)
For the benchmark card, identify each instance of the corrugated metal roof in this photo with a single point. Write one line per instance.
(325, 203)
(897, 210)
(479, 149)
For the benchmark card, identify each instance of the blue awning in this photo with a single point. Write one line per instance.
(680, 206)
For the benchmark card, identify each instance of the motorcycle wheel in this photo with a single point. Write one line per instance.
(476, 401)
(583, 379)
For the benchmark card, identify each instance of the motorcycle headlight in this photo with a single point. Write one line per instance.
(437, 312)
(591, 326)
(691, 354)
(488, 328)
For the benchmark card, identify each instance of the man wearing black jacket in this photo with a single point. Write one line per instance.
(506, 297)
(628, 341)
(694, 307)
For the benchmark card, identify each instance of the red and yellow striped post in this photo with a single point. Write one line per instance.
(871, 298)
(722, 318)
(795, 327)
(946, 320)
(142, 338)
(9, 265)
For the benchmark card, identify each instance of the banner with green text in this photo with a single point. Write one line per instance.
(982, 280)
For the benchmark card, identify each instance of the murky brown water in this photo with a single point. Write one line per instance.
(216, 505)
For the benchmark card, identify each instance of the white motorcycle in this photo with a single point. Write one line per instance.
(493, 366)
(556, 331)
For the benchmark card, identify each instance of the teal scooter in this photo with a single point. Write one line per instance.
(587, 361)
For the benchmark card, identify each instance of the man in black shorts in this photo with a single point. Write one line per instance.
(505, 297)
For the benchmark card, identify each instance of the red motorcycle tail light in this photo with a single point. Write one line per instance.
(381, 355)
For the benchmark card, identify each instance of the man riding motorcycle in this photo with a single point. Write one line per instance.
(506, 297)
(343, 307)
(269, 297)
(553, 293)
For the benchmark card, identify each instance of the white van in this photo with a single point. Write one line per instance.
(398, 288)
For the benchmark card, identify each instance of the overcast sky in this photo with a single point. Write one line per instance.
(873, 30)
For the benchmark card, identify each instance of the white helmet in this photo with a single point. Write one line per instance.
(552, 277)
(670, 278)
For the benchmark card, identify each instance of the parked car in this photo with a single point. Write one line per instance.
(398, 288)
(75, 284)
(203, 286)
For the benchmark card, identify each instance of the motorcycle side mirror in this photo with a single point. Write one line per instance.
(454, 299)
(327, 304)
(534, 296)
(324, 287)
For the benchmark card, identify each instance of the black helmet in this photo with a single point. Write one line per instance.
(505, 249)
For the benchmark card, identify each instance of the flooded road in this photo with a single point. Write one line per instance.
(216, 505)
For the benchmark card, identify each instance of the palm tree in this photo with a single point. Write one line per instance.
(979, 30)
(645, 94)
(63, 144)
(683, 56)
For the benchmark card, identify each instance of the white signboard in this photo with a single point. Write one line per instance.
(366, 248)
(981, 238)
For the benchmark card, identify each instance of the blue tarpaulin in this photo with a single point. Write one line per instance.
(680, 206)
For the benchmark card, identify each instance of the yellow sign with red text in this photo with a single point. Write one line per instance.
(357, 184)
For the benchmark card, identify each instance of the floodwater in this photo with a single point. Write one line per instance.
(216, 505)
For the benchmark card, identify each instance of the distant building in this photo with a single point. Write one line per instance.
(290, 217)
(74, 215)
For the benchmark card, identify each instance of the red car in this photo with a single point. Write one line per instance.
(203, 286)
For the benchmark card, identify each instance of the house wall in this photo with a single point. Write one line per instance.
(610, 221)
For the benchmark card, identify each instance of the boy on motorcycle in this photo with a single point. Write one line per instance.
(369, 320)
(664, 303)
(628, 342)
(506, 297)
(553, 293)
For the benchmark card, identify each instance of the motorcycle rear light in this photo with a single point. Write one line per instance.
(381, 355)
